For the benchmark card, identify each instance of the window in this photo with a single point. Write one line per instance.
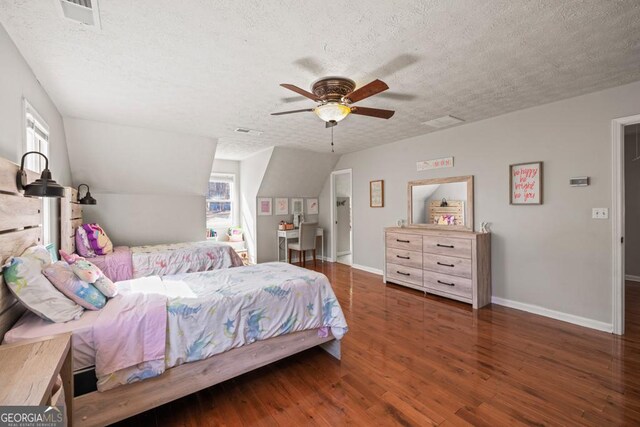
(220, 200)
(37, 139)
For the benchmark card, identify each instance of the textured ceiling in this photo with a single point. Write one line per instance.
(206, 67)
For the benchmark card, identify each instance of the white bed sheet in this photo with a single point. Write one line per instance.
(31, 326)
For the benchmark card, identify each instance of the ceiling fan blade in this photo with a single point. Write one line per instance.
(291, 112)
(367, 90)
(330, 124)
(373, 112)
(300, 91)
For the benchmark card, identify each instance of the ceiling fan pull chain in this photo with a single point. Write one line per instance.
(332, 139)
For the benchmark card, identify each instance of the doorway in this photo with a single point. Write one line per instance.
(342, 216)
(626, 234)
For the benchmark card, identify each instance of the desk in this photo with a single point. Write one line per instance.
(285, 235)
(29, 371)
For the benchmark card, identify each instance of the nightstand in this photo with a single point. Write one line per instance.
(29, 371)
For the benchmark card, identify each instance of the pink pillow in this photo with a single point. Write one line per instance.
(99, 242)
(82, 293)
(83, 248)
(70, 259)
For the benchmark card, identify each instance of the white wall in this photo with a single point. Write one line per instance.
(146, 174)
(632, 205)
(290, 173)
(553, 256)
(18, 81)
(252, 170)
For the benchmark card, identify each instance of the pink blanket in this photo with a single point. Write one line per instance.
(117, 265)
(130, 330)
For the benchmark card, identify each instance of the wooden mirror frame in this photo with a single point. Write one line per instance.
(468, 214)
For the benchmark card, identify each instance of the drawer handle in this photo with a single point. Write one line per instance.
(403, 257)
(446, 265)
(445, 246)
(445, 283)
(404, 274)
(403, 241)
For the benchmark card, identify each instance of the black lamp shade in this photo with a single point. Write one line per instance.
(88, 198)
(41, 187)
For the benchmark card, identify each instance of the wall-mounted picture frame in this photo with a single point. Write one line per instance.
(376, 193)
(525, 183)
(265, 207)
(312, 206)
(282, 206)
(297, 205)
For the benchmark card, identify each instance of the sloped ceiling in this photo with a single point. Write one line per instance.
(206, 67)
(296, 173)
(129, 160)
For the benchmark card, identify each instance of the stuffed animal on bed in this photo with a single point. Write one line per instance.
(90, 273)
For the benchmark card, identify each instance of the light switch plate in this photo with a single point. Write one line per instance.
(600, 213)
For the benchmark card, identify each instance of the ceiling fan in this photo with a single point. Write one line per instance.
(335, 96)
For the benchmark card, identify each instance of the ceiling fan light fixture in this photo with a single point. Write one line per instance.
(332, 111)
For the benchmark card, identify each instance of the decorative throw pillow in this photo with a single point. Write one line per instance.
(39, 252)
(23, 275)
(99, 242)
(85, 294)
(83, 248)
(106, 286)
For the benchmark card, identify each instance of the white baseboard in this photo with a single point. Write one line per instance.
(558, 315)
(367, 269)
(632, 278)
(344, 253)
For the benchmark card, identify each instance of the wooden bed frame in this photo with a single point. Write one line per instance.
(20, 228)
(70, 219)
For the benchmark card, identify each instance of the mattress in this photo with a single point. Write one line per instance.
(31, 326)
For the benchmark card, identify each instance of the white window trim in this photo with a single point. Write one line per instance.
(230, 177)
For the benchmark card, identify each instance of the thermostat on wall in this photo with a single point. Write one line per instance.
(579, 181)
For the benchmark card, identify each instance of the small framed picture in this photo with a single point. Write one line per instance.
(525, 183)
(264, 206)
(376, 193)
(297, 205)
(312, 206)
(282, 206)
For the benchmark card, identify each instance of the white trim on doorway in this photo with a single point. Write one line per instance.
(618, 217)
(334, 213)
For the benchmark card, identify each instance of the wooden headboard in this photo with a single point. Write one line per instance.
(20, 228)
(70, 219)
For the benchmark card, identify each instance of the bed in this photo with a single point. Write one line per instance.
(20, 220)
(126, 263)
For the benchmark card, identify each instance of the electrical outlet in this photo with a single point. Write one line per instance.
(600, 213)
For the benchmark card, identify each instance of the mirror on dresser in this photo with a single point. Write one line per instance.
(442, 203)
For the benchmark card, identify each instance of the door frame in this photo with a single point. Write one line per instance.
(334, 211)
(618, 219)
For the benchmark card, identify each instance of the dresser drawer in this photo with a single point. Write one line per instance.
(403, 257)
(404, 274)
(409, 242)
(454, 266)
(449, 284)
(449, 246)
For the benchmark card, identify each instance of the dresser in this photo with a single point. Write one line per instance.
(452, 264)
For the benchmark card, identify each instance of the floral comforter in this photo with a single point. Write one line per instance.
(214, 311)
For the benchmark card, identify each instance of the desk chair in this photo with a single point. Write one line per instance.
(306, 242)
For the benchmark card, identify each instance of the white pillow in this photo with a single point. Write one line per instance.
(23, 275)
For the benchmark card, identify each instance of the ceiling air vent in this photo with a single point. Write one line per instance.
(248, 131)
(443, 122)
(83, 11)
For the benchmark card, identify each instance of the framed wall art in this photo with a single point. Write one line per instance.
(376, 194)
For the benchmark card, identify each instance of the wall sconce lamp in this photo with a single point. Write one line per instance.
(41, 187)
(87, 199)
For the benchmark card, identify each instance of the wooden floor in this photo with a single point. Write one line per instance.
(411, 360)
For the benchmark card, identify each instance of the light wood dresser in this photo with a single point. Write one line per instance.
(452, 264)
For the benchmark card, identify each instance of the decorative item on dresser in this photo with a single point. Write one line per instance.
(452, 264)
